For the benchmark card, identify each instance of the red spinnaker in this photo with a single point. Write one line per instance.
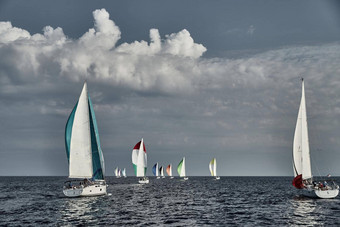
(297, 182)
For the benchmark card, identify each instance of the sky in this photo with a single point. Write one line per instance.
(197, 79)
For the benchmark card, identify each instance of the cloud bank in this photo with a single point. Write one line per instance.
(170, 65)
(159, 64)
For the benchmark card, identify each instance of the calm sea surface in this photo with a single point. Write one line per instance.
(231, 201)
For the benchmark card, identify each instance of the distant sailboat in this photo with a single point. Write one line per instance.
(181, 169)
(85, 157)
(155, 170)
(212, 168)
(139, 161)
(161, 170)
(169, 171)
(124, 172)
(117, 172)
(301, 160)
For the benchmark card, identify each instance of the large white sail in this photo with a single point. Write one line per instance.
(212, 167)
(141, 161)
(80, 161)
(301, 155)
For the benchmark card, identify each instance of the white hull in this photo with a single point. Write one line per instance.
(186, 178)
(217, 178)
(171, 177)
(143, 180)
(322, 194)
(90, 190)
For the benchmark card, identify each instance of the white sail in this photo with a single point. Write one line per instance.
(80, 148)
(301, 155)
(212, 167)
(116, 172)
(141, 160)
(124, 172)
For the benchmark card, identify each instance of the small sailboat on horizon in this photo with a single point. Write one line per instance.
(303, 178)
(169, 171)
(124, 172)
(181, 169)
(117, 172)
(139, 161)
(212, 168)
(155, 171)
(84, 154)
(161, 170)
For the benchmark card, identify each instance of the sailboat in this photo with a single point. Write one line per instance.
(212, 168)
(155, 170)
(181, 169)
(85, 157)
(301, 160)
(139, 161)
(161, 170)
(169, 171)
(124, 172)
(117, 172)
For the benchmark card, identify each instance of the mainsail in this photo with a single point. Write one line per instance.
(139, 159)
(181, 168)
(82, 143)
(301, 155)
(212, 167)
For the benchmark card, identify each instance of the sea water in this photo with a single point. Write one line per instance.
(230, 201)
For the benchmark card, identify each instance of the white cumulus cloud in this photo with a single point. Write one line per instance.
(163, 65)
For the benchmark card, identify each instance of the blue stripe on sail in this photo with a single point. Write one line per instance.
(97, 154)
(68, 131)
(154, 169)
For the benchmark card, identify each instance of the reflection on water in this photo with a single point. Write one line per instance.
(304, 211)
(79, 210)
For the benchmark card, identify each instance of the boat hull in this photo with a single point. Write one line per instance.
(143, 181)
(90, 190)
(322, 194)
